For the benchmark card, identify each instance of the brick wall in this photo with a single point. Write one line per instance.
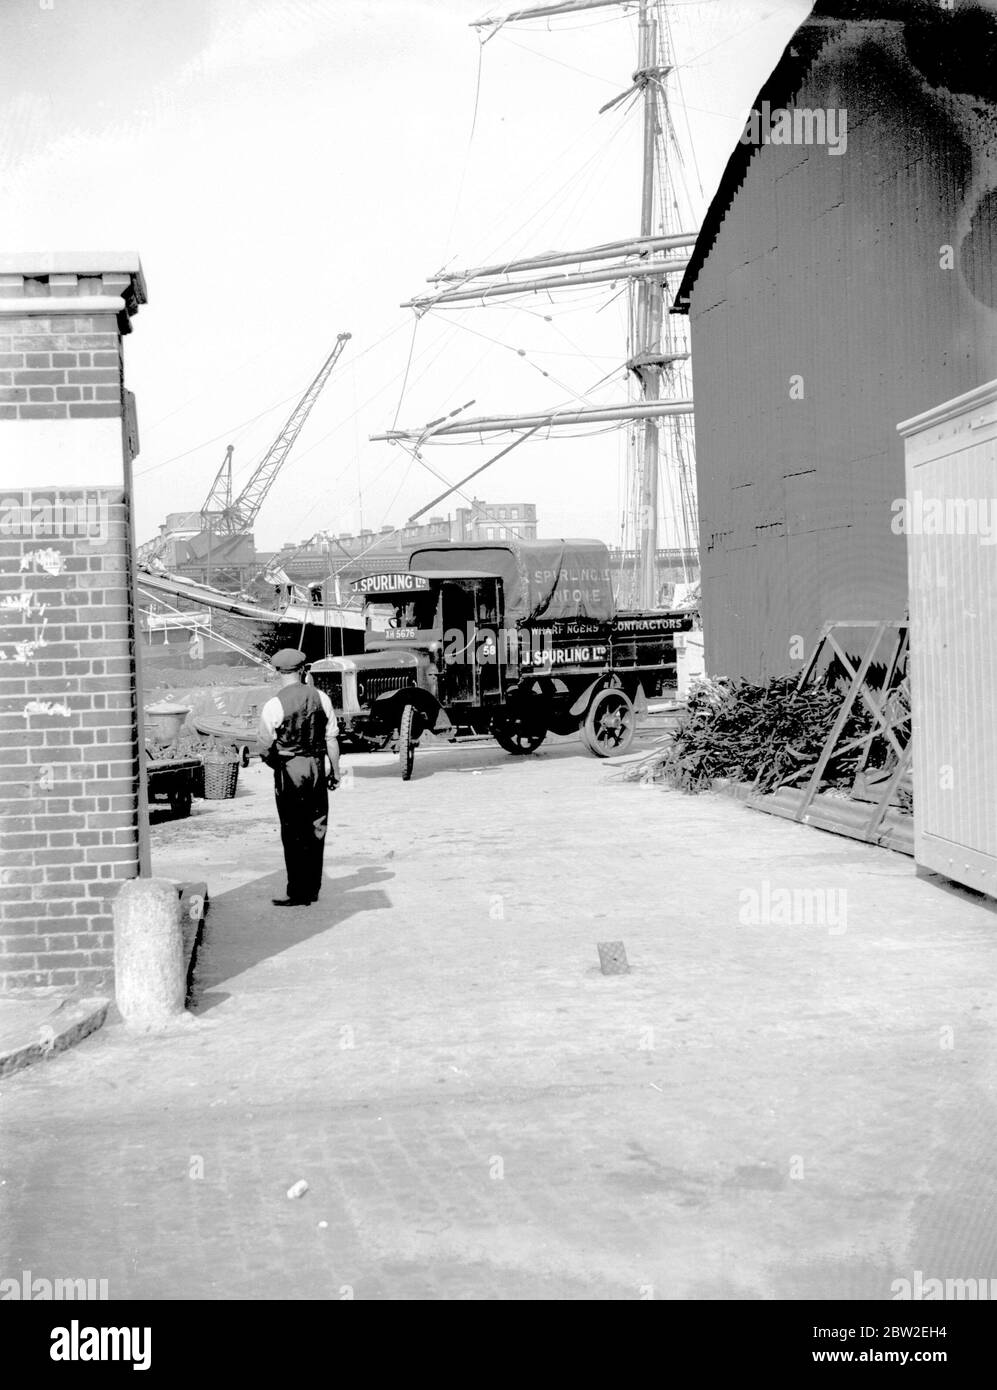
(69, 747)
(69, 738)
(57, 369)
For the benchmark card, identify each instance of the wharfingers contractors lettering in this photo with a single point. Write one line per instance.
(624, 625)
(554, 645)
(680, 622)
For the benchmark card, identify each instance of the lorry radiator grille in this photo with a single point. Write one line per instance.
(332, 684)
(370, 687)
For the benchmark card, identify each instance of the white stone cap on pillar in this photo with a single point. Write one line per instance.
(66, 282)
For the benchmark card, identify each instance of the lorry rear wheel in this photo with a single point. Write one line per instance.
(406, 741)
(610, 724)
(519, 737)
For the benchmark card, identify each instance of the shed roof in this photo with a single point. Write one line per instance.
(956, 49)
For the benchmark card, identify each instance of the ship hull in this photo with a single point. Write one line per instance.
(237, 641)
(191, 626)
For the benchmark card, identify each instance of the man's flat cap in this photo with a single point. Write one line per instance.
(288, 659)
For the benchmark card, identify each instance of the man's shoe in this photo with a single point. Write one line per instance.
(291, 902)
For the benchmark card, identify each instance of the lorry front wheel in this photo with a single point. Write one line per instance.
(406, 741)
(610, 724)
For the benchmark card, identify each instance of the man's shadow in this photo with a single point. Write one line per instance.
(243, 927)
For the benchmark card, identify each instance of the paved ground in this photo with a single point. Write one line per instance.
(18, 1016)
(33, 1030)
(762, 1108)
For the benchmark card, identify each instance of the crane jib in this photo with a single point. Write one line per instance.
(243, 511)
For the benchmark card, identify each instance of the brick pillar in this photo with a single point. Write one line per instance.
(70, 812)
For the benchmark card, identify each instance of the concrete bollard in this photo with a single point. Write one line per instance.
(149, 974)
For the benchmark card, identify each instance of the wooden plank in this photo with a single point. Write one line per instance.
(842, 717)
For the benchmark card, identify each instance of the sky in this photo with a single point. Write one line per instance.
(291, 169)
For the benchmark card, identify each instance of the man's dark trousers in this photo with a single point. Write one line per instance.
(303, 808)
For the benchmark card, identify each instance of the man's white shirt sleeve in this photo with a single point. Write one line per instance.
(271, 716)
(333, 728)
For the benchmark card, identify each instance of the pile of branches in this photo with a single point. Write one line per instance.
(766, 734)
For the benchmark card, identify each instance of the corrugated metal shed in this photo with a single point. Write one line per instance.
(831, 270)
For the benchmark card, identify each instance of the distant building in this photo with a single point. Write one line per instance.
(834, 292)
(367, 551)
(186, 523)
(496, 521)
(351, 556)
(205, 554)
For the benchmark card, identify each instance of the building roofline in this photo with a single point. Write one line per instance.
(828, 19)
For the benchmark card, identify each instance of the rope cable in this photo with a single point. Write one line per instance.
(467, 152)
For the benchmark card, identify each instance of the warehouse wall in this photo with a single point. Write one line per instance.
(69, 742)
(829, 268)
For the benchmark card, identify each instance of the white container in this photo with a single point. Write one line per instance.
(690, 661)
(951, 503)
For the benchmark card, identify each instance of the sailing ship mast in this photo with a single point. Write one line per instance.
(644, 260)
(646, 363)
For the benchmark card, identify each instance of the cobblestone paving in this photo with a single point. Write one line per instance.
(754, 1111)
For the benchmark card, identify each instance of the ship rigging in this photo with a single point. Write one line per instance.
(660, 405)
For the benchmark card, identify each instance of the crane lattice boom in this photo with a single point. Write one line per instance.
(243, 511)
(219, 497)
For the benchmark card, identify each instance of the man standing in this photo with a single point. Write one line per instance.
(297, 730)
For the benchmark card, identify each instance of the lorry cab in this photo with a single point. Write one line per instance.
(408, 607)
(431, 643)
(518, 639)
(456, 621)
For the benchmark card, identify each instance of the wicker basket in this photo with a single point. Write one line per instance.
(221, 777)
